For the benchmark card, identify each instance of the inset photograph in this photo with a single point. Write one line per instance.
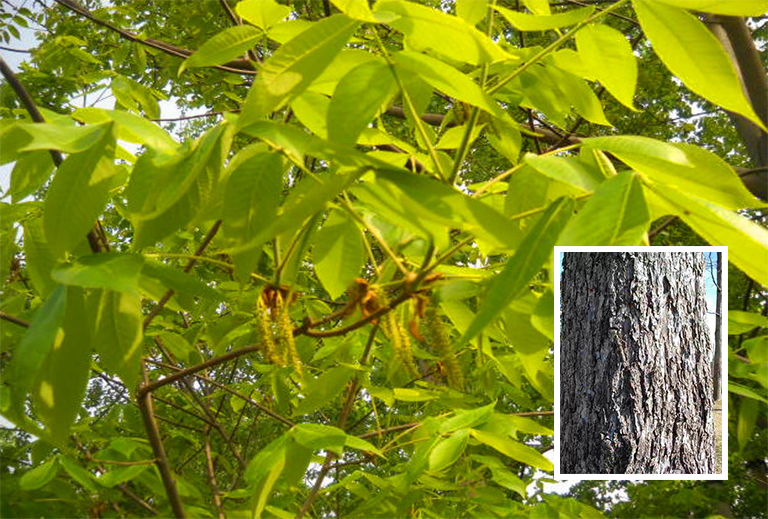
(639, 362)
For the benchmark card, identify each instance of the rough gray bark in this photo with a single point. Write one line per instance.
(635, 376)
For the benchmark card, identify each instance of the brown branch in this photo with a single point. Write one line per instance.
(215, 361)
(169, 294)
(211, 474)
(96, 238)
(14, 320)
(304, 328)
(254, 403)
(153, 435)
(240, 66)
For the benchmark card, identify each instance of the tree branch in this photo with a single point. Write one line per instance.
(168, 295)
(239, 66)
(96, 238)
(153, 434)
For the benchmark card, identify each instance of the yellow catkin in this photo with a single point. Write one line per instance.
(405, 352)
(264, 334)
(290, 355)
(441, 345)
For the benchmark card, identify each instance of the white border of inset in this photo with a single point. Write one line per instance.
(723, 369)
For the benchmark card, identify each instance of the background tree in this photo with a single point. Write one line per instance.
(635, 367)
(181, 302)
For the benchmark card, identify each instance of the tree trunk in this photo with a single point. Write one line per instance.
(716, 361)
(635, 390)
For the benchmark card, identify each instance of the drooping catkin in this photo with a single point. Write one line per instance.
(287, 344)
(401, 343)
(440, 343)
(264, 334)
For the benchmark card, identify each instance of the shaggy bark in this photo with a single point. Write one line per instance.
(635, 373)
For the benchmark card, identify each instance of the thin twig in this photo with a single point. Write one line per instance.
(236, 66)
(192, 262)
(14, 320)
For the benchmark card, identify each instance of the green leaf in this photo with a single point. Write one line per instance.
(358, 98)
(35, 346)
(30, 173)
(609, 57)
(635, 146)
(38, 257)
(111, 270)
(742, 322)
(449, 36)
(472, 11)
(413, 394)
(311, 108)
(448, 80)
(532, 22)
(733, 387)
(616, 214)
(321, 391)
(543, 317)
(264, 470)
(747, 241)
(227, 45)
(728, 8)
(178, 281)
(262, 13)
(319, 437)
(130, 127)
(513, 449)
(66, 138)
(252, 198)
(134, 96)
(353, 442)
(508, 479)
(690, 169)
(535, 249)
(448, 450)
(464, 419)
(356, 10)
(339, 253)
(565, 170)
(118, 334)
(749, 409)
(692, 53)
(757, 349)
(39, 476)
(453, 137)
(60, 383)
(78, 193)
(293, 67)
(426, 200)
(121, 475)
(78, 473)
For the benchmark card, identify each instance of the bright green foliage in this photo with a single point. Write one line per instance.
(337, 298)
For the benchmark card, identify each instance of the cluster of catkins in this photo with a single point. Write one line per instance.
(274, 329)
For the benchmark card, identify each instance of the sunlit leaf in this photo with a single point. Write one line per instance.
(693, 54)
(616, 214)
(293, 67)
(533, 22)
(338, 253)
(513, 449)
(230, 43)
(530, 256)
(609, 56)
